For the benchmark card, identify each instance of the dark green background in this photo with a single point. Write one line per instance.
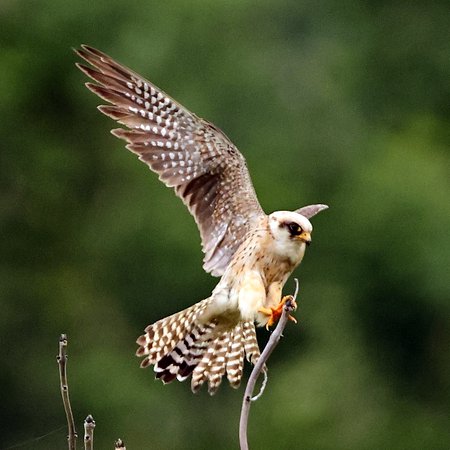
(339, 102)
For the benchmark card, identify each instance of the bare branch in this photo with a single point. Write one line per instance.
(260, 366)
(89, 425)
(62, 363)
(120, 445)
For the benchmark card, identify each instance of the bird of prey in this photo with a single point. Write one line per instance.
(252, 252)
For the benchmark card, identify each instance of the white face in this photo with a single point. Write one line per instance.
(291, 232)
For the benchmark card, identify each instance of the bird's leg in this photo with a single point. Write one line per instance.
(275, 313)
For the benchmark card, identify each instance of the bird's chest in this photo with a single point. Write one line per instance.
(255, 277)
(275, 269)
(259, 284)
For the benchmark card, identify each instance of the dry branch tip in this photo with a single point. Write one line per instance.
(119, 445)
(89, 425)
(64, 388)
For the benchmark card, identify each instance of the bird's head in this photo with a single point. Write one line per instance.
(290, 228)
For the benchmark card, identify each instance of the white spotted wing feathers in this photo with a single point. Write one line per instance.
(188, 153)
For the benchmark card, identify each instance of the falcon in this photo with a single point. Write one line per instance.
(253, 253)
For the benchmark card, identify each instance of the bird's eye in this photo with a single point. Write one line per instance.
(294, 228)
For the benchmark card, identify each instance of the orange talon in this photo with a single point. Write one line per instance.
(275, 313)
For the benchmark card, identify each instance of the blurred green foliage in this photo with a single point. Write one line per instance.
(345, 103)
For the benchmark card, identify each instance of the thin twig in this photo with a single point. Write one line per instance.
(62, 363)
(260, 366)
(89, 425)
(263, 386)
(119, 445)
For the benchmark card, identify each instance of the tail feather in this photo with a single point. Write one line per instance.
(217, 367)
(181, 345)
(185, 356)
(235, 357)
(200, 373)
(212, 366)
(250, 342)
(161, 337)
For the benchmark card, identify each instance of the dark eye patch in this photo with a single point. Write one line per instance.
(294, 228)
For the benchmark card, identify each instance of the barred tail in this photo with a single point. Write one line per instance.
(161, 337)
(225, 355)
(180, 345)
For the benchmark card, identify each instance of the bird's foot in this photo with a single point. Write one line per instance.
(275, 313)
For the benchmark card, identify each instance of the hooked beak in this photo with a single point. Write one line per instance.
(305, 237)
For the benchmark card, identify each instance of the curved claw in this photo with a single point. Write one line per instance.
(275, 313)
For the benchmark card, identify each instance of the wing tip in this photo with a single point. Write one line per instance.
(311, 210)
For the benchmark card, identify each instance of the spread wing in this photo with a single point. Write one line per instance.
(188, 153)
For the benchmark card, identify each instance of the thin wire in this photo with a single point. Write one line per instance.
(29, 441)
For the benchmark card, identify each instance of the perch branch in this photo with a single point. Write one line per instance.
(260, 366)
(62, 363)
(89, 425)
